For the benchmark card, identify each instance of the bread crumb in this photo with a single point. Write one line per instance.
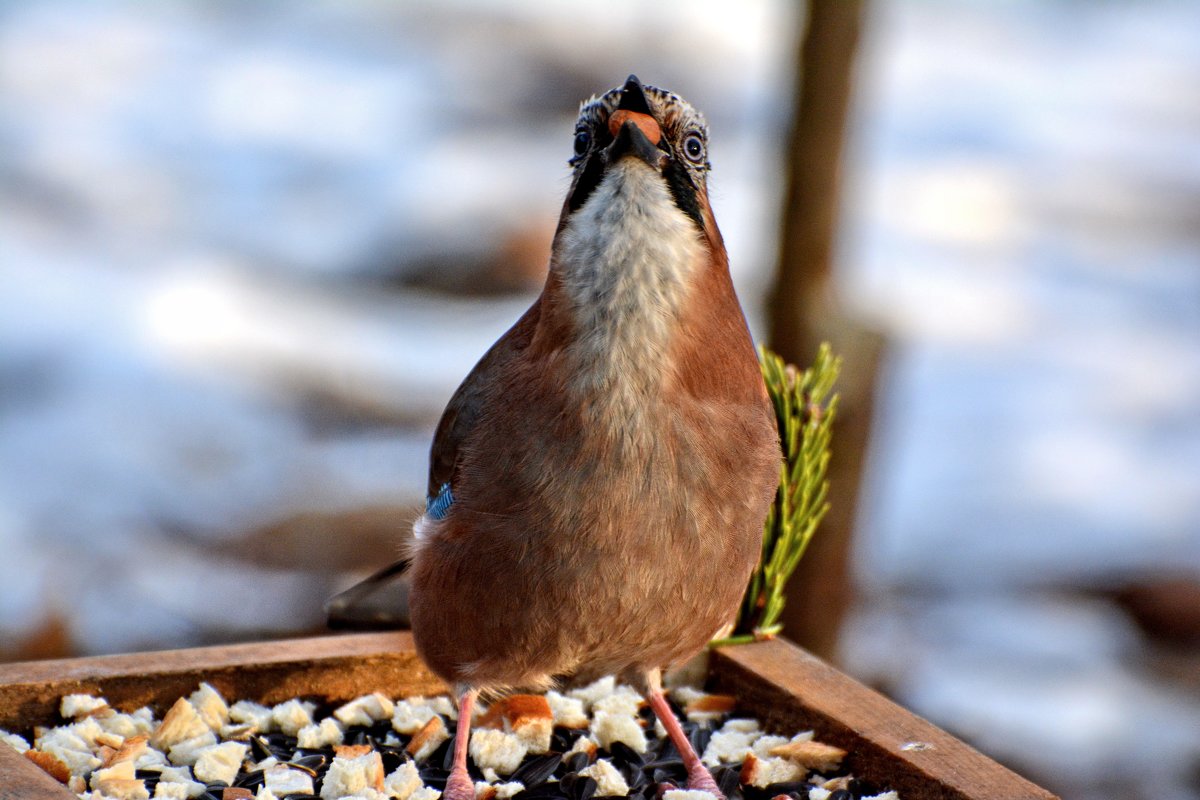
(607, 728)
(501, 751)
(688, 794)
(77, 706)
(403, 781)
(247, 712)
(812, 755)
(14, 741)
(211, 706)
(609, 780)
(567, 711)
(283, 780)
(351, 776)
(182, 722)
(428, 739)
(410, 715)
(365, 710)
(51, 765)
(425, 793)
(187, 751)
(316, 736)
(219, 762)
(762, 772)
(292, 715)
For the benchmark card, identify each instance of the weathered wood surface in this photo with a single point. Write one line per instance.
(789, 690)
(779, 683)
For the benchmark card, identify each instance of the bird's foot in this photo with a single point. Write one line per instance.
(459, 786)
(701, 779)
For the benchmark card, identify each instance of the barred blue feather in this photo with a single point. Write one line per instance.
(436, 507)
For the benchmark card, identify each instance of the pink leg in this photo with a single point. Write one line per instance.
(460, 786)
(698, 775)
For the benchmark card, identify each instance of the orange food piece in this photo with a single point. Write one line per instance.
(646, 123)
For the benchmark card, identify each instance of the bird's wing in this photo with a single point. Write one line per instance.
(466, 407)
(381, 601)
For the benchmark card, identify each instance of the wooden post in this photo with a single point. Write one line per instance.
(804, 310)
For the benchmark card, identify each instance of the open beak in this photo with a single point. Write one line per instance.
(634, 130)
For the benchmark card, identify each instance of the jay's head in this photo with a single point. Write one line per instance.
(630, 143)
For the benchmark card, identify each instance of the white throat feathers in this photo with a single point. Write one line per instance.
(626, 261)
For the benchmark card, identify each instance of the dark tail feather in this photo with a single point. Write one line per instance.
(379, 602)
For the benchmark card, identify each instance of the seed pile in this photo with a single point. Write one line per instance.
(594, 742)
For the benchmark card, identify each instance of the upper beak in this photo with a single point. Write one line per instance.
(634, 129)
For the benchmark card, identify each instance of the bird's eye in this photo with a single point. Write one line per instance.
(583, 140)
(693, 148)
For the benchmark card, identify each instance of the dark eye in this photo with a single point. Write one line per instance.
(583, 140)
(693, 148)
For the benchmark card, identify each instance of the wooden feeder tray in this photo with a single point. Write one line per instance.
(783, 686)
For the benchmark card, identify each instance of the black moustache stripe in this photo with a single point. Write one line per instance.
(589, 179)
(684, 191)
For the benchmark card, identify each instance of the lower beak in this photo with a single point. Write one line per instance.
(630, 140)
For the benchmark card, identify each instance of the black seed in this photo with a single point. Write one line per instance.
(577, 761)
(216, 786)
(699, 737)
(860, 787)
(728, 780)
(583, 788)
(624, 754)
(562, 739)
(841, 794)
(249, 780)
(546, 791)
(312, 761)
(537, 769)
(260, 747)
(444, 755)
(784, 787)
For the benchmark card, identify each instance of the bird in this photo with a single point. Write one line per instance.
(599, 482)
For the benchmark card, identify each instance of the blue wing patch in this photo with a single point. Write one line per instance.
(436, 507)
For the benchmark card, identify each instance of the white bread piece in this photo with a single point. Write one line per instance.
(501, 751)
(352, 776)
(688, 794)
(409, 716)
(69, 748)
(583, 744)
(365, 710)
(327, 733)
(251, 713)
(883, 796)
(77, 706)
(607, 728)
(51, 765)
(211, 706)
(403, 781)
(609, 780)
(283, 780)
(186, 752)
(117, 772)
(444, 705)
(762, 772)
(127, 725)
(812, 755)
(130, 749)
(219, 762)
(426, 793)
(818, 793)
(506, 790)
(174, 791)
(428, 739)
(567, 711)
(14, 741)
(292, 715)
(264, 793)
(123, 789)
(527, 716)
(763, 745)
(595, 691)
(622, 700)
(731, 743)
(181, 722)
(484, 791)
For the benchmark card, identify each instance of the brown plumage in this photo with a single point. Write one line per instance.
(599, 481)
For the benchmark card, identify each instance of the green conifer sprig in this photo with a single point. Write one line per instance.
(804, 408)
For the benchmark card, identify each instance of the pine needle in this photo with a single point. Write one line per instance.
(804, 408)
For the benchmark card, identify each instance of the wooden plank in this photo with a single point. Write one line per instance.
(21, 779)
(790, 690)
(335, 668)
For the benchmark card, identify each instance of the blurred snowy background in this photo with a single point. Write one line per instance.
(248, 250)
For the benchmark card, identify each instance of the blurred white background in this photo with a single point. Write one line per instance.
(248, 250)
